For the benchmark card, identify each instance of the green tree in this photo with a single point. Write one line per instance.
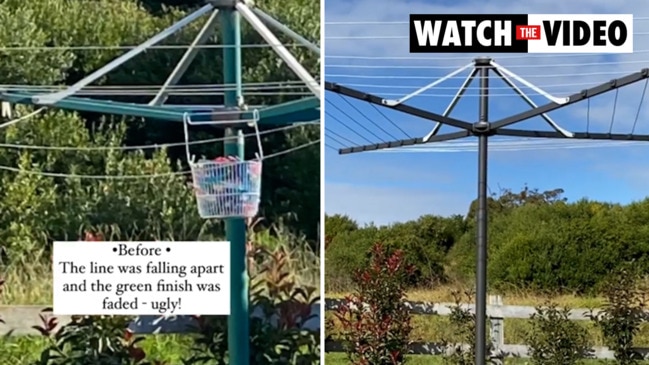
(337, 224)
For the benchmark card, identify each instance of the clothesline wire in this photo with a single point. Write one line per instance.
(225, 87)
(494, 77)
(169, 46)
(467, 56)
(399, 37)
(521, 147)
(378, 22)
(526, 65)
(472, 87)
(135, 177)
(145, 147)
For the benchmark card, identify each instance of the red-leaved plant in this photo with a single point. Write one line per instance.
(279, 335)
(375, 322)
(86, 340)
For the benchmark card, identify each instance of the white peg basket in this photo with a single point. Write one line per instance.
(226, 187)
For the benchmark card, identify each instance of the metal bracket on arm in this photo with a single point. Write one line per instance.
(189, 56)
(575, 98)
(49, 99)
(429, 86)
(453, 103)
(531, 103)
(376, 100)
(279, 48)
(286, 30)
(505, 71)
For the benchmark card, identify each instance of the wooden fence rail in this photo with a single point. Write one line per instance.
(20, 319)
(496, 312)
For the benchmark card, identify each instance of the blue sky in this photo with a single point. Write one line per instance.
(400, 185)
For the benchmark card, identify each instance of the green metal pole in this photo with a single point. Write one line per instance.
(235, 228)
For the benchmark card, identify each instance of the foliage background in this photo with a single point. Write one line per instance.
(537, 241)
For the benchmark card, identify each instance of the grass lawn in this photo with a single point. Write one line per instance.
(169, 349)
(341, 359)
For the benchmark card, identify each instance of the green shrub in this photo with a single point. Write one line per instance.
(621, 316)
(557, 247)
(554, 339)
(347, 253)
(461, 346)
(424, 243)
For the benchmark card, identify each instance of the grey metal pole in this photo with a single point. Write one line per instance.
(481, 240)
